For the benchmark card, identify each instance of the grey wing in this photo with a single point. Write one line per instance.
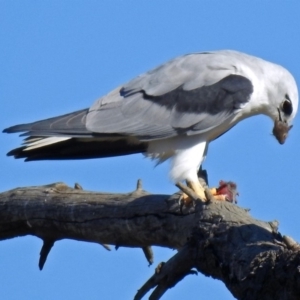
(188, 95)
(72, 125)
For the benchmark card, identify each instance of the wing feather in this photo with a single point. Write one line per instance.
(188, 95)
(72, 124)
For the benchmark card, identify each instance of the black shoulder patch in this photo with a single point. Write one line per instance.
(227, 94)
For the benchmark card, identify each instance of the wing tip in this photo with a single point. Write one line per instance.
(15, 128)
(7, 130)
(15, 152)
(18, 153)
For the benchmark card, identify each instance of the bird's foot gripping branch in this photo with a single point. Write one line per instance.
(217, 238)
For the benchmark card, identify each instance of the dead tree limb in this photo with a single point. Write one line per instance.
(218, 239)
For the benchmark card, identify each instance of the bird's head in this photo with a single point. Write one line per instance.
(284, 104)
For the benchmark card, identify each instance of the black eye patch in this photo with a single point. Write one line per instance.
(287, 106)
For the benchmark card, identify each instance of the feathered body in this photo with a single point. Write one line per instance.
(172, 111)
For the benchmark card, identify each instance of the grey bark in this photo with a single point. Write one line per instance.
(218, 239)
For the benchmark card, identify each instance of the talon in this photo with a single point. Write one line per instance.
(198, 189)
(186, 200)
(227, 191)
(220, 197)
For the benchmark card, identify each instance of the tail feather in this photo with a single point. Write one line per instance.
(66, 137)
(78, 149)
(44, 142)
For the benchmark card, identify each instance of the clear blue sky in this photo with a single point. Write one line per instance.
(59, 56)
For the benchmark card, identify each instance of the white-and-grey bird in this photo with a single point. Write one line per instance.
(172, 111)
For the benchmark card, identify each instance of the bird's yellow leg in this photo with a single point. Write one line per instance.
(225, 192)
(197, 188)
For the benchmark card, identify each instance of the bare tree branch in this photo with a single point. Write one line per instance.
(218, 239)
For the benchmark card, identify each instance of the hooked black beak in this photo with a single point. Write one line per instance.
(281, 129)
